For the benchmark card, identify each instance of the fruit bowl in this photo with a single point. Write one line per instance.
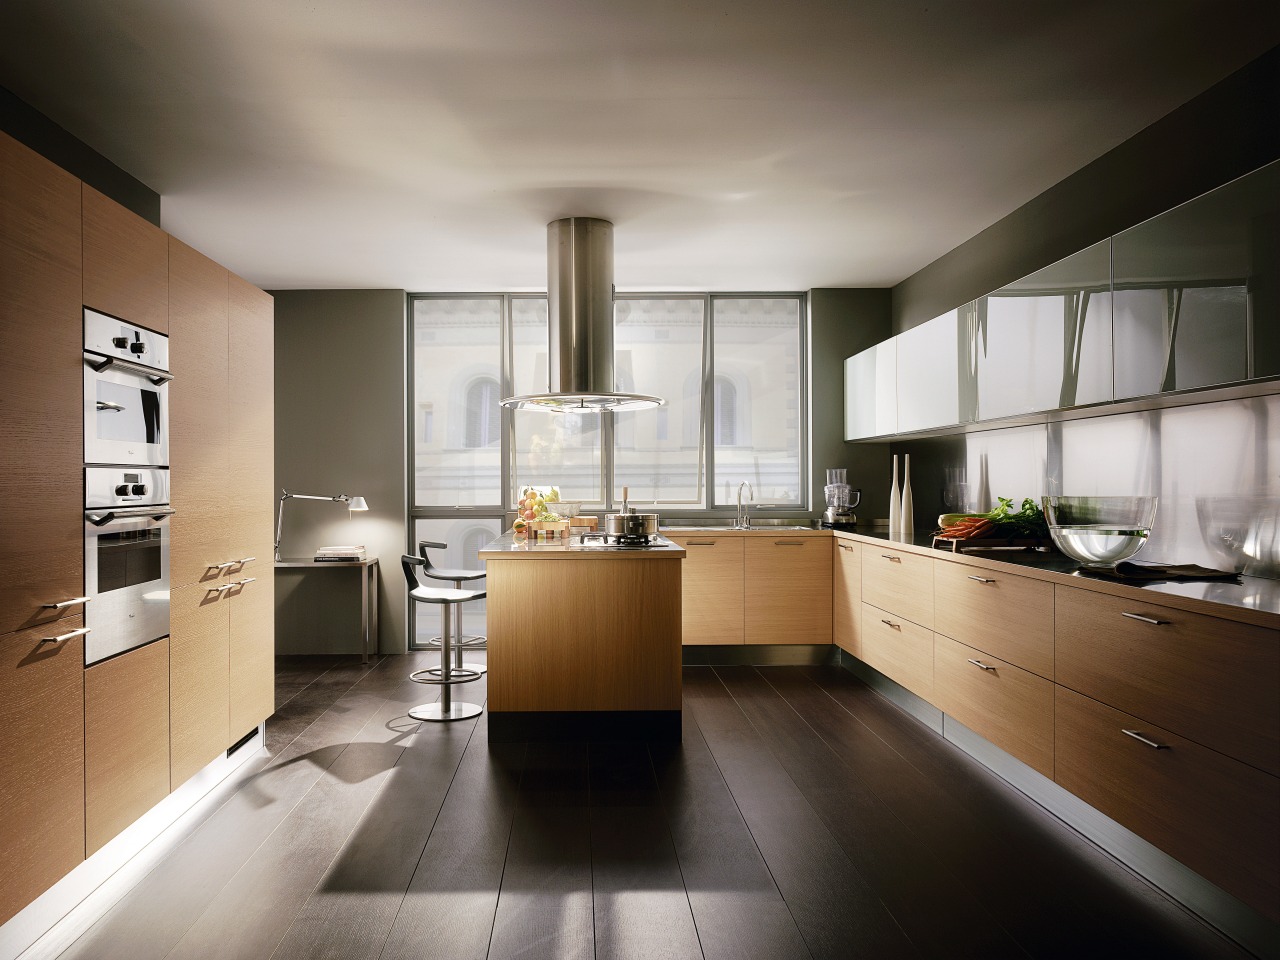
(1100, 531)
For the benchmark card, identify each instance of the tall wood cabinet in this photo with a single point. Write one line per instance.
(41, 432)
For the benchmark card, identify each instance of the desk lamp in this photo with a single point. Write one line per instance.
(353, 504)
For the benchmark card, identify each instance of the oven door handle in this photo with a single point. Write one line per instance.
(126, 513)
(151, 373)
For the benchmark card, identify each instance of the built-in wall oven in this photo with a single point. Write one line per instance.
(126, 559)
(126, 393)
(126, 485)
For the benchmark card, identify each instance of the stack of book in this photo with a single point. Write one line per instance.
(352, 554)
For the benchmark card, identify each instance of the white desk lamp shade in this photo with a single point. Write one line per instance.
(357, 503)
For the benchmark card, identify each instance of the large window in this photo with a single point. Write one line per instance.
(730, 368)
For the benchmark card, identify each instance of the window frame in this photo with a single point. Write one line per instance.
(705, 505)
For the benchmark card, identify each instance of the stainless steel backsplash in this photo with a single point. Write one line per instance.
(1214, 466)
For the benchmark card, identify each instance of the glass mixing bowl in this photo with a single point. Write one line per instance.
(1100, 531)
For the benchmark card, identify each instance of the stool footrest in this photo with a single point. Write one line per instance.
(476, 668)
(456, 675)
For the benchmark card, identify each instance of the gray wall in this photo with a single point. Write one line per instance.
(1222, 134)
(340, 405)
(844, 322)
(33, 129)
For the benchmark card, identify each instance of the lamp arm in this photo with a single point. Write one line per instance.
(286, 495)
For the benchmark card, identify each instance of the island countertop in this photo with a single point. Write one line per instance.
(507, 547)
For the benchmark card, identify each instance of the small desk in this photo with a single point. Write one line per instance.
(368, 589)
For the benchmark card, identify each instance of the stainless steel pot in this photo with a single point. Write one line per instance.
(631, 524)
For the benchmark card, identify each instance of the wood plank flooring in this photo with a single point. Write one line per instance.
(802, 816)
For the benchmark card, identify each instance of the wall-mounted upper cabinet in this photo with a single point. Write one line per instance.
(126, 263)
(930, 359)
(871, 392)
(1188, 300)
(1193, 286)
(1044, 342)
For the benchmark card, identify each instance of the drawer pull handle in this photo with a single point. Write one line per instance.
(1151, 620)
(246, 580)
(67, 636)
(245, 560)
(844, 546)
(223, 566)
(1141, 739)
(788, 543)
(979, 663)
(982, 579)
(700, 543)
(891, 558)
(225, 586)
(895, 626)
(75, 602)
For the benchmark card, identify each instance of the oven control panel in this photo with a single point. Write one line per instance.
(125, 486)
(114, 338)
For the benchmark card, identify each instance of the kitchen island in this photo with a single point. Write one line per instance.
(583, 639)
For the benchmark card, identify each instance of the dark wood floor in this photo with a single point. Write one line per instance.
(802, 816)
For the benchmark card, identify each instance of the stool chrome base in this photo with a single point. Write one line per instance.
(467, 643)
(438, 712)
(436, 675)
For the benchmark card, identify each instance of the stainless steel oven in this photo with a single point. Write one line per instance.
(126, 393)
(126, 559)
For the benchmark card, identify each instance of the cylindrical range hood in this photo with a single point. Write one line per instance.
(580, 322)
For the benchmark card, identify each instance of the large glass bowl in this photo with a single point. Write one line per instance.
(1100, 531)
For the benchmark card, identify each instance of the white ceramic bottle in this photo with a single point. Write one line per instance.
(906, 523)
(895, 506)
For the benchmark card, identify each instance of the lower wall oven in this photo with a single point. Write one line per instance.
(126, 552)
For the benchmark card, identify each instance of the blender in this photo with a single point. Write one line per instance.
(841, 502)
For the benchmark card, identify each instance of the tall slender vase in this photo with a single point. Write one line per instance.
(906, 523)
(895, 506)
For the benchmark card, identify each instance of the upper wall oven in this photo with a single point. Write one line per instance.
(126, 393)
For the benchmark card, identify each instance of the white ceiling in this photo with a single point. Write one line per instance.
(752, 145)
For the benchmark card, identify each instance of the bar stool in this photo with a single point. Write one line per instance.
(458, 578)
(446, 674)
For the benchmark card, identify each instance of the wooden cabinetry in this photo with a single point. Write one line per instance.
(846, 596)
(711, 585)
(42, 550)
(1002, 614)
(199, 680)
(1012, 708)
(125, 263)
(42, 756)
(788, 589)
(1214, 814)
(1210, 680)
(898, 581)
(898, 648)
(126, 740)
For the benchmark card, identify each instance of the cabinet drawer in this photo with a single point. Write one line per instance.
(1209, 680)
(126, 740)
(788, 589)
(1007, 616)
(899, 582)
(711, 590)
(1212, 813)
(1012, 708)
(898, 648)
(846, 596)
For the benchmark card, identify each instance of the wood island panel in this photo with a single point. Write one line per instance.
(41, 419)
(42, 756)
(711, 598)
(126, 261)
(583, 634)
(126, 740)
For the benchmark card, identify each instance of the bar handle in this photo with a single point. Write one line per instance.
(982, 579)
(1141, 739)
(221, 587)
(700, 543)
(67, 636)
(896, 626)
(788, 543)
(74, 602)
(890, 557)
(979, 663)
(844, 546)
(246, 580)
(108, 405)
(1151, 620)
(151, 373)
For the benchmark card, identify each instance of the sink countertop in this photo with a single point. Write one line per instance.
(1252, 600)
(506, 547)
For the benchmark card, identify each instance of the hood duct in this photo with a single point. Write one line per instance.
(580, 322)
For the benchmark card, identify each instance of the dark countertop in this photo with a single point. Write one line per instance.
(506, 547)
(1250, 595)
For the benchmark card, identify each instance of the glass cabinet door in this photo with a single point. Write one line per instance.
(1195, 285)
(1044, 342)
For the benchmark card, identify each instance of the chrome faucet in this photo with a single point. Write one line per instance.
(743, 519)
